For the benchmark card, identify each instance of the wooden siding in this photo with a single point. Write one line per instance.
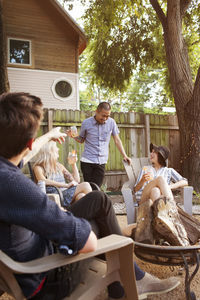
(54, 42)
(133, 133)
(40, 83)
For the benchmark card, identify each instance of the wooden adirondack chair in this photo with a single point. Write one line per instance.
(118, 267)
(129, 196)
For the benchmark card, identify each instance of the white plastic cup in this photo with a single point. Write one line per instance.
(42, 185)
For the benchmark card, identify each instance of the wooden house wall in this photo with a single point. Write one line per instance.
(133, 133)
(54, 42)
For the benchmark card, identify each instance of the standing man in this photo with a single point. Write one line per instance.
(96, 132)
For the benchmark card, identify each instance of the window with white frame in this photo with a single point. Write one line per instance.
(19, 51)
(62, 89)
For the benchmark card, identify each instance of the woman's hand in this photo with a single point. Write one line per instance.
(72, 158)
(72, 183)
(56, 135)
(146, 177)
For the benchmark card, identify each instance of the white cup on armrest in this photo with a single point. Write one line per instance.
(42, 185)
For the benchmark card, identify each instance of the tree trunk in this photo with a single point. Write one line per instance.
(186, 95)
(4, 84)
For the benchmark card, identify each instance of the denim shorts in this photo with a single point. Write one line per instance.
(67, 193)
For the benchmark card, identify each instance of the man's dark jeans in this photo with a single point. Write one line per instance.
(93, 172)
(97, 207)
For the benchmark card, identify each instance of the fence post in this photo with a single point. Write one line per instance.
(50, 119)
(133, 146)
(147, 135)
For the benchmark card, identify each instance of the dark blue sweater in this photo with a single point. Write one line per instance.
(29, 221)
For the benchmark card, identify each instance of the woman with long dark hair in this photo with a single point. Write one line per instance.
(157, 180)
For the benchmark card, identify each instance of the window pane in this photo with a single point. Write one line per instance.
(19, 52)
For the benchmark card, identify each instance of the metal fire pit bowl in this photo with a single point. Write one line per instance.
(172, 256)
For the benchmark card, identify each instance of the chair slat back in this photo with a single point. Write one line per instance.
(136, 164)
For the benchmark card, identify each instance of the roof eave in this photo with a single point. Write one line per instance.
(72, 22)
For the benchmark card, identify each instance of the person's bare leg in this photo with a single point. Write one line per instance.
(155, 193)
(79, 196)
(151, 190)
(83, 187)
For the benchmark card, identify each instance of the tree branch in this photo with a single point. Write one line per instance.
(184, 6)
(196, 42)
(159, 12)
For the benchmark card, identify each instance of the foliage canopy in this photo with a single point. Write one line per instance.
(126, 45)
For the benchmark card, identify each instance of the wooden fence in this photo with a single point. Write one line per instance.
(136, 132)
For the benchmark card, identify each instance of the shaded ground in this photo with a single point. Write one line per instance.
(157, 270)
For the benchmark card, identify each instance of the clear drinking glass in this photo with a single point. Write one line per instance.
(74, 131)
(72, 157)
(149, 170)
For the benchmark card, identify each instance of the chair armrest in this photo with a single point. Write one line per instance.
(186, 195)
(128, 184)
(60, 194)
(55, 198)
(94, 186)
(106, 244)
(129, 202)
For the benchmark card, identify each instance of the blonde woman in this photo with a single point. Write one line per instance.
(48, 169)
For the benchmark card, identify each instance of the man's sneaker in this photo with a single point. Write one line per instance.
(150, 285)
